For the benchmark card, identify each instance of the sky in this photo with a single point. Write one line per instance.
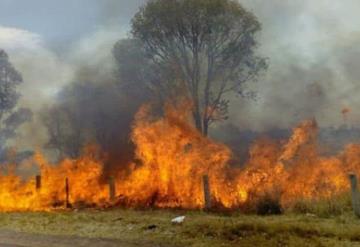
(59, 22)
(51, 36)
(312, 47)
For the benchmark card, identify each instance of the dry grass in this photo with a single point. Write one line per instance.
(324, 208)
(199, 229)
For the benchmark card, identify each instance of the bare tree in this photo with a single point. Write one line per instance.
(65, 133)
(88, 112)
(208, 44)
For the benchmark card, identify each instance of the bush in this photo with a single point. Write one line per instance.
(268, 205)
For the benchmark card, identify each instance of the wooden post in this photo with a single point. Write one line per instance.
(112, 189)
(355, 194)
(38, 182)
(67, 191)
(207, 193)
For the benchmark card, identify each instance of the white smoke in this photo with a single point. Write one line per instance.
(46, 72)
(312, 47)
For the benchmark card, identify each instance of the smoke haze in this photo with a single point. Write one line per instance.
(312, 51)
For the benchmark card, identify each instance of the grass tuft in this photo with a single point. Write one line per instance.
(323, 208)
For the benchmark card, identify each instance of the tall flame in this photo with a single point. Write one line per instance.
(172, 158)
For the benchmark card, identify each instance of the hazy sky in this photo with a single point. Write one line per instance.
(313, 49)
(66, 20)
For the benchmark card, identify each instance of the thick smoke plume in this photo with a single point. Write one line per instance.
(312, 73)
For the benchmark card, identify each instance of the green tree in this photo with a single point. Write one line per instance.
(209, 45)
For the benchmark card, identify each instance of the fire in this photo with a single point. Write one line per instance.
(172, 158)
(83, 173)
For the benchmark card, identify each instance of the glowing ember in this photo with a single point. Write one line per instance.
(173, 158)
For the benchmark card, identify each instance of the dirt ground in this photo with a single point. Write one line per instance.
(17, 239)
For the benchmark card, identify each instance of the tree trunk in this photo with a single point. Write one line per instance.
(355, 194)
(196, 111)
(197, 120)
(205, 127)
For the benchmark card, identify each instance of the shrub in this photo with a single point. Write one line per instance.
(268, 205)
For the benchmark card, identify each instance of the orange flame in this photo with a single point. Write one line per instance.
(173, 157)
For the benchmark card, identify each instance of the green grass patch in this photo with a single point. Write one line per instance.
(199, 228)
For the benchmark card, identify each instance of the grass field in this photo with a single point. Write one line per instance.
(199, 228)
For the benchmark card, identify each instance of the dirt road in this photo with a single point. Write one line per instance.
(16, 239)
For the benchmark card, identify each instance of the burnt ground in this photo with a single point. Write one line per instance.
(17, 239)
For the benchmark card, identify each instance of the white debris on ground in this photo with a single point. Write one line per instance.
(178, 220)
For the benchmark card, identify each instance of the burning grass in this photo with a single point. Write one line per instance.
(199, 229)
(172, 158)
